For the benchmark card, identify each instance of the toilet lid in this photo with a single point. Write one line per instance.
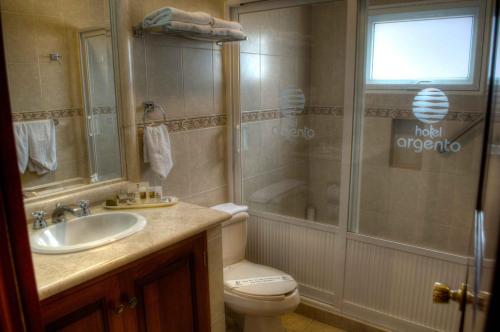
(254, 279)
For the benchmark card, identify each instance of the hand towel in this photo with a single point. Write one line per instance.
(166, 14)
(188, 27)
(157, 150)
(21, 136)
(237, 34)
(223, 24)
(42, 146)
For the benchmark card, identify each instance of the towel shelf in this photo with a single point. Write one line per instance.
(140, 31)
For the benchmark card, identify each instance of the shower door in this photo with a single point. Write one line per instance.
(421, 105)
(289, 134)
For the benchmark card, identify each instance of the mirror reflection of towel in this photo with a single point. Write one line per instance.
(41, 146)
(157, 150)
(21, 136)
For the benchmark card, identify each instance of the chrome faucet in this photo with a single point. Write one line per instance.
(59, 214)
(40, 221)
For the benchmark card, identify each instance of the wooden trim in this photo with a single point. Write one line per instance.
(19, 304)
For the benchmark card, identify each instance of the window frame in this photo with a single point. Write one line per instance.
(407, 14)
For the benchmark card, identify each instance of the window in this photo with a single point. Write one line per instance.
(419, 48)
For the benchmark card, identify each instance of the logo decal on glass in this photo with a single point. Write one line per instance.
(291, 105)
(430, 105)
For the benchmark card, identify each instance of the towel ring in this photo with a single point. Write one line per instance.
(151, 107)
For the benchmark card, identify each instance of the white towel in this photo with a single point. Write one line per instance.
(157, 150)
(223, 24)
(237, 34)
(230, 208)
(188, 27)
(21, 136)
(165, 15)
(42, 146)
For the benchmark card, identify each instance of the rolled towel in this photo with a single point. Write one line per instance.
(167, 14)
(21, 136)
(157, 150)
(188, 27)
(42, 146)
(237, 34)
(223, 24)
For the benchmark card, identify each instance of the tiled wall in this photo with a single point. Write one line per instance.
(326, 118)
(293, 48)
(425, 199)
(428, 200)
(32, 30)
(185, 77)
(274, 60)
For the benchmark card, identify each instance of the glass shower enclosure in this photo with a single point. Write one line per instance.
(359, 136)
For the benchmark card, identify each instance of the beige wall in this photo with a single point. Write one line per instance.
(32, 30)
(185, 78)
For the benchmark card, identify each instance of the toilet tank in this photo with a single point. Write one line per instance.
(234, 238)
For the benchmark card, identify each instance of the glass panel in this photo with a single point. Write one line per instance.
(292, 78)
(101, 106)
(417, 151)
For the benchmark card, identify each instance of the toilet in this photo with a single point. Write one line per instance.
(259, 293)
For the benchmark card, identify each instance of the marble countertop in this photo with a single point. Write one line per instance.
(165, 226)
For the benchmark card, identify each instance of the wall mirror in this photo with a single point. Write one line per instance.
(63, 97)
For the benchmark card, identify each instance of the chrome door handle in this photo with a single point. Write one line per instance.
(478, 253)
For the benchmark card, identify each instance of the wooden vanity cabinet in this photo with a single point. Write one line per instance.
(163, 292)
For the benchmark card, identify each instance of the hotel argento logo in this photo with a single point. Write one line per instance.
(430, 106)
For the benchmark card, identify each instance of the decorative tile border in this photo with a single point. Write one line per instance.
(325, 110)
(395, 113)
(104, 110)
(272, 114)
(201, 122)
(42, 115)
(263, 115)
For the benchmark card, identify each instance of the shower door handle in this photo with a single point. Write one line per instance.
(478, 257)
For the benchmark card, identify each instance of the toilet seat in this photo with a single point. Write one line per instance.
(274, 287)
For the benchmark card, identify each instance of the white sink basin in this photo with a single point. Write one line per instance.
(86, 232)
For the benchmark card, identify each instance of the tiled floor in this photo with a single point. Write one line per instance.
(297, 323)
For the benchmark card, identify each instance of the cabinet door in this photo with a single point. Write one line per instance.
(89, 308)
(171, 289)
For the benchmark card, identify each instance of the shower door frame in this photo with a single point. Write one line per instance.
(232, 54)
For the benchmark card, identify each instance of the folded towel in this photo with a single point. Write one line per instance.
(167, 14)
(237, 34)
(157, 151)
(230, 208)
(42, 146)
(188, 27)
(223, 24)
(21, 136)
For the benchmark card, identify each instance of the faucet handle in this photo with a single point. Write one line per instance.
(84, 206)
(40, 221)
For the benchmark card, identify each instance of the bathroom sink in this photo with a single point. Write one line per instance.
(86, 232)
